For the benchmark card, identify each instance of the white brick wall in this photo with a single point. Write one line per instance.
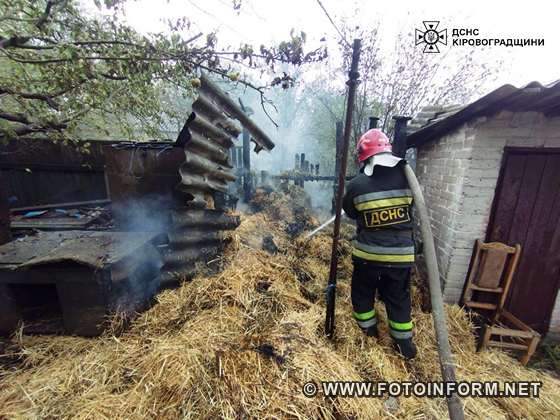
(458, 174)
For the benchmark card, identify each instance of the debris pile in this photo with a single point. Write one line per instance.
(51, 218)
(242, 343)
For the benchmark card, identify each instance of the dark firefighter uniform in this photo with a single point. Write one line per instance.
(383, 251)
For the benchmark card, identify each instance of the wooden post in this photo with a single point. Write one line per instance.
(338, 147)
(247, 181)
(264, 177)
(302, 168)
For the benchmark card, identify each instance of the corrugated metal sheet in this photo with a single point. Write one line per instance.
(187, 178)
(230, 108)
(188, 175)
(434, 122)
(207, 167)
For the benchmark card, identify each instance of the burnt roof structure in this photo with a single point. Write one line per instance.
(175, 188)
(188, 176)
(433, 122)
(70, 281)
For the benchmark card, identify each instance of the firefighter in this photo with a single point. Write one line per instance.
(379, 199)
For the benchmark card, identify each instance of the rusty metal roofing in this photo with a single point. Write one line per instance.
(434, 122)
(210, 92)
(196, 167)
(91, 248)
(184, 175)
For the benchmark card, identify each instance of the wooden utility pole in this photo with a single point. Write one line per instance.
(338, 147)
(331, 288)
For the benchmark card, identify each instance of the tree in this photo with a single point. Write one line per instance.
(63, 71)
(407, 79)
(400, 83)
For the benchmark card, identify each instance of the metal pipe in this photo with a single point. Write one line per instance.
(444, 349)
(331, 288)
(373, 121)
(310, 177)
(399, 139)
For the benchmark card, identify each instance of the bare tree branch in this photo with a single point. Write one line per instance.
(43, 19)
(20, 118)
(26, 95)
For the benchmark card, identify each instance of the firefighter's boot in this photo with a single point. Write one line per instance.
(371, 331)
(405, 347)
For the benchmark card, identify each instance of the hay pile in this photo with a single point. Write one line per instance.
(241, 344)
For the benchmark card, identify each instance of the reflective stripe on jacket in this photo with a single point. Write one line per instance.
(381, 205)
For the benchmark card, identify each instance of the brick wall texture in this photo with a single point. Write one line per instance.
(458, 174)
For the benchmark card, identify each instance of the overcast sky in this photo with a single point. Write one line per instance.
(266, 21)
(262, 21)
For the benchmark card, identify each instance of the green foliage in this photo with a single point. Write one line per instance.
(66, 74)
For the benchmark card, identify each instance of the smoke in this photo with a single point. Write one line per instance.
(150, 213)
(136, 291)
(297, 133)
(321, 193)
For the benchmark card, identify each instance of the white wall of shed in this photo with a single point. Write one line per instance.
(459, 173)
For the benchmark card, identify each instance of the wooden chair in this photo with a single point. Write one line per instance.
(492, 268)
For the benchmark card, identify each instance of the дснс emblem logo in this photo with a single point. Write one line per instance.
(431, 36)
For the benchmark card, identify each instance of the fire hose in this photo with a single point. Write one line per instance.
(444, 349)
(324, 225)
(442, 337)
(438, 314)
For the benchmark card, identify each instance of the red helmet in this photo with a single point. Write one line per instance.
(373, 141)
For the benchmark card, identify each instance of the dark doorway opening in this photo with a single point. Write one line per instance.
(39, 306)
